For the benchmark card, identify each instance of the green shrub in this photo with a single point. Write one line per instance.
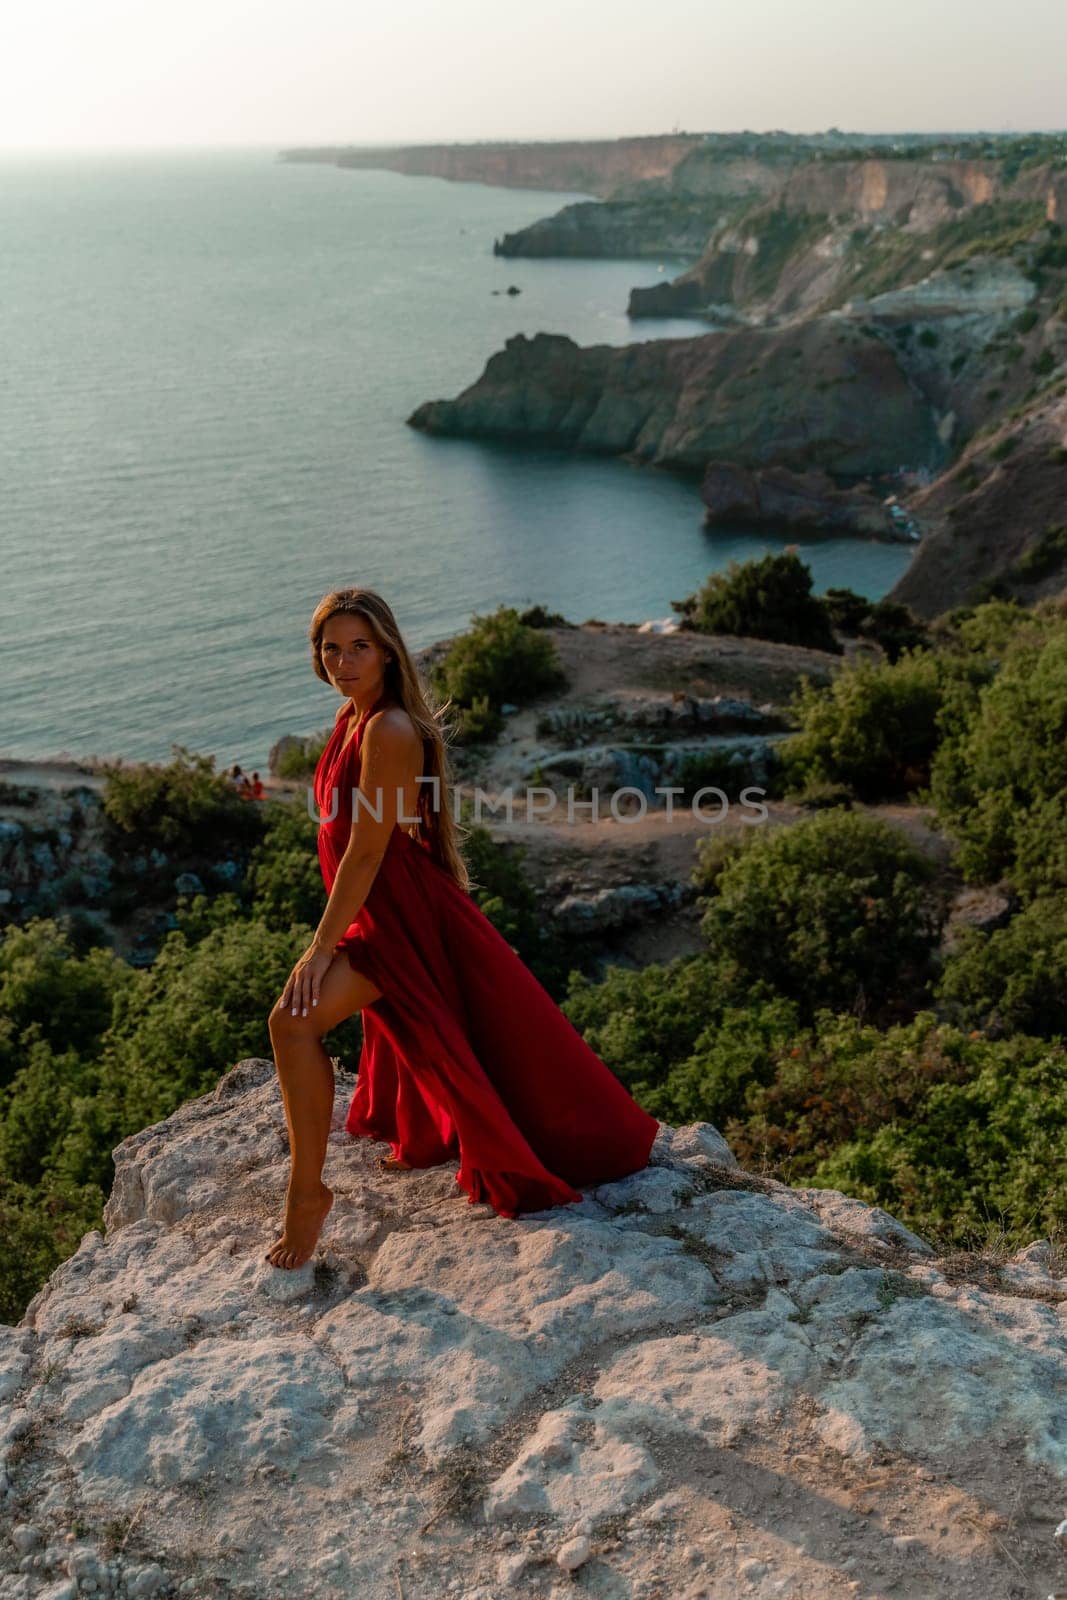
(1006, 759)
(283, 883)
(847, 610)
(185, 807)
(874, 728)
(989, 1150)
(1040, 845)
(42, 1226)
(1004, 447)
(1047, 555)
(843, 1079)
(895, 627)
(1045, 362)
(1026, 320)
(816, 795)
(540, 617)
(1015, 978)
(499, 659)
(67, 996)
(950, 1131)
(297, 763)
(675, 1037)
(834, 911)
(714, 852)
(769, 598)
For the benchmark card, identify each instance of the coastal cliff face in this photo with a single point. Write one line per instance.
(834, 230)
(588, 166)
(827, 396)
(696, 1382)
(997, 521)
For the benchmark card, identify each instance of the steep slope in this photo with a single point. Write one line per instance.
(997, 522)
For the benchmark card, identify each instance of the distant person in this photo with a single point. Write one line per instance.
(240, 783)
(468, 1057)
(257, 786)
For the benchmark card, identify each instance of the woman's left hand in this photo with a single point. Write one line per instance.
(304, 982)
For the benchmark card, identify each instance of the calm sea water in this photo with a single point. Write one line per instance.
(207, 360)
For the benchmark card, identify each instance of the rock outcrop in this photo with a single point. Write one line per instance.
(822, 394)
(777, 498)
(617, 229)
(997, 520)
(696, 1382)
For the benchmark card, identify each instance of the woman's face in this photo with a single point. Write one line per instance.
(351, 657)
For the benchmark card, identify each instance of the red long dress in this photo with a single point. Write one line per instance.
(465, 1054)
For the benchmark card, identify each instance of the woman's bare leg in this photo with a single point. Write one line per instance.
(305, 1074)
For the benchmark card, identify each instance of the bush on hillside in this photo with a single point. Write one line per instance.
(283, 883)
(675, 1037)
(65, 996)
(1013, 980)
(835, 911)
(874, 728)
(1008, 760)
(986, 1154)
(769, 598)
(499, 659)
(892, 626)
(185, 808)
(948, 1130)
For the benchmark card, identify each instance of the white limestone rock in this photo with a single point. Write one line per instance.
(402, 1409)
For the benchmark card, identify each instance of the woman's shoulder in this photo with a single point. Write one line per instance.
(394, 717)
(397, 720)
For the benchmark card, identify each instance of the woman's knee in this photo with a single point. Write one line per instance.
(284, 1026)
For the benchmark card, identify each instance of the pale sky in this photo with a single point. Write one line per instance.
(129, 73)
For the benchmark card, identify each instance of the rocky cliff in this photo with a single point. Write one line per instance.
(695, 1383)
(804, 396)
(624, 229)
(585, 166)
(834, 230)
(996, 523)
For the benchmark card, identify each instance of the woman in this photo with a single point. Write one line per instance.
(465, 1055)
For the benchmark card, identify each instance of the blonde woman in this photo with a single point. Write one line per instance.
(465, 1055)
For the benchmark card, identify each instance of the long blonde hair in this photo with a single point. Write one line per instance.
(436, 824)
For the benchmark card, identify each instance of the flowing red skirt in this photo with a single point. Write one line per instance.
(467, 1056)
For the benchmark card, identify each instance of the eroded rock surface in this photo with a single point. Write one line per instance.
(696, 1382)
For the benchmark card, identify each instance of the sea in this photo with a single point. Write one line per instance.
(207, 359)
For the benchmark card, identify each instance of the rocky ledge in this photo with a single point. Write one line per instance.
(694, 1383)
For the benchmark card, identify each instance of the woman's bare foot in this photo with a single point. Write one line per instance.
(393, 1164)
(304, 1217)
